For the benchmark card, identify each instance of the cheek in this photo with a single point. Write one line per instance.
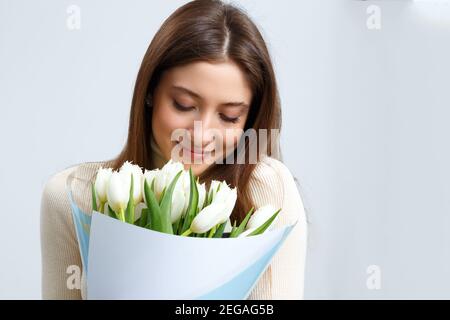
(165, 120)
(232, 138)
(227, 141)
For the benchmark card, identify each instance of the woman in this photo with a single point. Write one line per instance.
(207, 63)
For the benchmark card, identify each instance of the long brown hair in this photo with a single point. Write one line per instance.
(207, 30)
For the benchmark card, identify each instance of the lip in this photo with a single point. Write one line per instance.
(195, 153)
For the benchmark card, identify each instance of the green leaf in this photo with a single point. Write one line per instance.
(204, 204)
(241, 227)
(176, 225)
(162, 195)
(148, 226)
(233, 228)
(94, 198)
(153, 184)
(193, 203)
(166, 205)
(129, 212)
(208, 198)
(212, 232)
(179, 225)
(219, 231)
(265, 225)
(154, 210)
(143, 220)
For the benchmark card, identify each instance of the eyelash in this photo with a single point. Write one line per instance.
(180, 107)
(186, 109)
(227, 119)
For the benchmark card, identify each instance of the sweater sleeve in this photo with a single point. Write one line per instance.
(272, 183)
(59, 246)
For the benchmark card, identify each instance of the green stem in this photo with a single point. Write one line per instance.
(186, 233)
(102, 207)
(122, 215)
(212, 231)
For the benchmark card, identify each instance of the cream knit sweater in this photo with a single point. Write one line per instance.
(271, 183)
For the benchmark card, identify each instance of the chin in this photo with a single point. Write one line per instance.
(197, 169)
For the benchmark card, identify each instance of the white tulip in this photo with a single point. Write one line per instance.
(184, 184)
(213, 188)
(177, 208)
(148, 176)
(128, 168)
(230, 203)
(138, 210)
(118, 192)
(162, 179)
(181, 195)
(165, 176)
(217, 212)
(260, 216)
(219, 190)
(228, 196)
(228, 226)
(101, 183)
(208, 217)
(201, 195)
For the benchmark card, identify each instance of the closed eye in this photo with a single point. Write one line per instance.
(181, 107)
(228, 119)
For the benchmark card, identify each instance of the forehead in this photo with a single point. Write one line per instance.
(215, 82)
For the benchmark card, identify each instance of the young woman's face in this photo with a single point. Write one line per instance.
(216, 94)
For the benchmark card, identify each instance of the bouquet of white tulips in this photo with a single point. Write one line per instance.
(172, 201)
(160, 234)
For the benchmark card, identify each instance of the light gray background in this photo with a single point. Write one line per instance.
(364, 130)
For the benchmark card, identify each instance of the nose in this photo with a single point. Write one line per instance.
(203, 132)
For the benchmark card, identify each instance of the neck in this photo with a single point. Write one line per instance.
(157, 156)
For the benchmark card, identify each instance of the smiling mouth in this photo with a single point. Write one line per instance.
(195, 152)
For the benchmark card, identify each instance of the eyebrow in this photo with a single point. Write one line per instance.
(196, 95)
